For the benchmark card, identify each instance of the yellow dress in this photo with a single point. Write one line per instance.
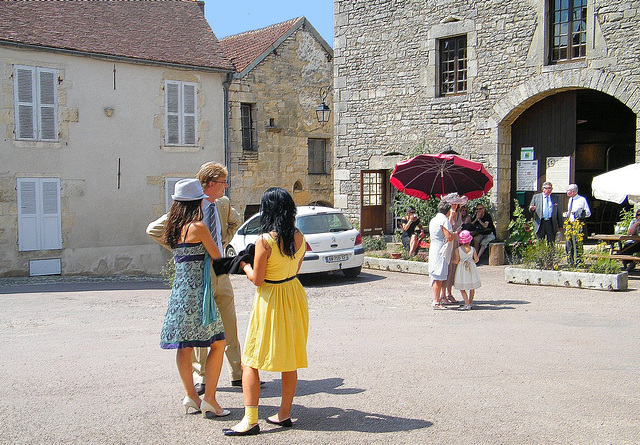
(279, 324)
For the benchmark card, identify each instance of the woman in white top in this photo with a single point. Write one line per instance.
(441, 234)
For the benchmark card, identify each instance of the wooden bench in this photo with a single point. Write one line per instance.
(614, 256)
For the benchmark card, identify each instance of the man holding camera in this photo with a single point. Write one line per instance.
(411, 231)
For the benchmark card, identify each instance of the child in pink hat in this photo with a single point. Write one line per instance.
(466, 278)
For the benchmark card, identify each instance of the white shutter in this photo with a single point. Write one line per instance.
(24, 93)
(172, 106)
(189, 113)
(39, 216)
(27, 214)
(51, 237)
(47, 93)
(169, 189)
(181, 113)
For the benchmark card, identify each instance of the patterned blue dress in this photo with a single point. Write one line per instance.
(182, 326)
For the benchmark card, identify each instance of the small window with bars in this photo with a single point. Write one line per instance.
(319, 157)
(248, 123)
(372, 188)
(453, 65)
(568, 28)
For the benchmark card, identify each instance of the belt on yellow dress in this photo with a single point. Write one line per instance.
(279, 281)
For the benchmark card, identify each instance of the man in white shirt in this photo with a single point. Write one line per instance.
(577, 210)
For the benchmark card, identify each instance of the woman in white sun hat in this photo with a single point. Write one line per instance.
(192, 318)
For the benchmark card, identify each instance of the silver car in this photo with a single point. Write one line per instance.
(332, 242)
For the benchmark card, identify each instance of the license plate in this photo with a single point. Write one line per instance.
(336, 258)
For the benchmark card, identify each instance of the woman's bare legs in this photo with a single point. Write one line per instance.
(437, 288)
(472, 293)
(289, 385)
(212, 370)
(183, 361)
(251, 393)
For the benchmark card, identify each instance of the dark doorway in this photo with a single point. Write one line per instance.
(595, 129)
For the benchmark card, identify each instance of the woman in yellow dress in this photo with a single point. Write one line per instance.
(277, 334)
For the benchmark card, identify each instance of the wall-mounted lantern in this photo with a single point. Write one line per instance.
(323, 111)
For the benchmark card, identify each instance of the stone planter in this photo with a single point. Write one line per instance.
(561, 278)
(417, 267)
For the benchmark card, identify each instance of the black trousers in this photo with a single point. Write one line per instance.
(546, 231)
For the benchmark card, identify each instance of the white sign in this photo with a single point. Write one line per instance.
(559, 173)
(527, 176)
(526, 154)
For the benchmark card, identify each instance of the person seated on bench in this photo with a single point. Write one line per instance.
(412, 231)
(484, 230)
(630, 246)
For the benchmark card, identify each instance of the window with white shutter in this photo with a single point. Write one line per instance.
(169, 189)
(36, 103)
(319, 156)
(39, 216)
(181, 119)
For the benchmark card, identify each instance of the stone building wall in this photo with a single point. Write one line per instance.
(385, 80)
(285, 88)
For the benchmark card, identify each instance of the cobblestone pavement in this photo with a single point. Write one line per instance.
(81, 364)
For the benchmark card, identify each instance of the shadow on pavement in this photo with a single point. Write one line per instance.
(336, 279)
(87, 286)
(338, 419)
(494, 305)
(305, 388)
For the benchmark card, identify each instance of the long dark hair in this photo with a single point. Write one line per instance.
(180, 214)
(279, 215)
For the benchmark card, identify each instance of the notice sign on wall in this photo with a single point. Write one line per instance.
(527, 176)
(526, 154)
(559, 172)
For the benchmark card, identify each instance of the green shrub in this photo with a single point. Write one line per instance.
(374, 243)
(542, 255)
(603, 264)
(626, 216)
(521, 234)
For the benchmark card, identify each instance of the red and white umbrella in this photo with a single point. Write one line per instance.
(428, 175)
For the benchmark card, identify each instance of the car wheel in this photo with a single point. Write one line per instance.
(230, 251)
(629, 265)
(352, 272)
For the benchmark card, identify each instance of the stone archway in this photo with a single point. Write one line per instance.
(520, 98)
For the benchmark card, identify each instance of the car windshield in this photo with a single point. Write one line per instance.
(322, 223)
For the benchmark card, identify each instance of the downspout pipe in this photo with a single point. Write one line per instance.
(227, 149)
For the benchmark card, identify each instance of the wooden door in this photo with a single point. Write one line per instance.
(373, 198)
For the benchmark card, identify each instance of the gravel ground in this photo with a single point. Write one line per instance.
(81, 364)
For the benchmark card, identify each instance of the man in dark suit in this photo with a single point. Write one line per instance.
(546, 213)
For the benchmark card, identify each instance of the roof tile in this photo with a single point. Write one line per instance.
(242, 49)
(169, 31)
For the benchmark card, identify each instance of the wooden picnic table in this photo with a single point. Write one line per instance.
(619, 250)
(614, 240)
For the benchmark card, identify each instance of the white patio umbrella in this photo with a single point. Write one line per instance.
(617, 185)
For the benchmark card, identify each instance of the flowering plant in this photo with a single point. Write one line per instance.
(575, 241)
(521, 232)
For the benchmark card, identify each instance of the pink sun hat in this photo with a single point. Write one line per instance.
(465, 237)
